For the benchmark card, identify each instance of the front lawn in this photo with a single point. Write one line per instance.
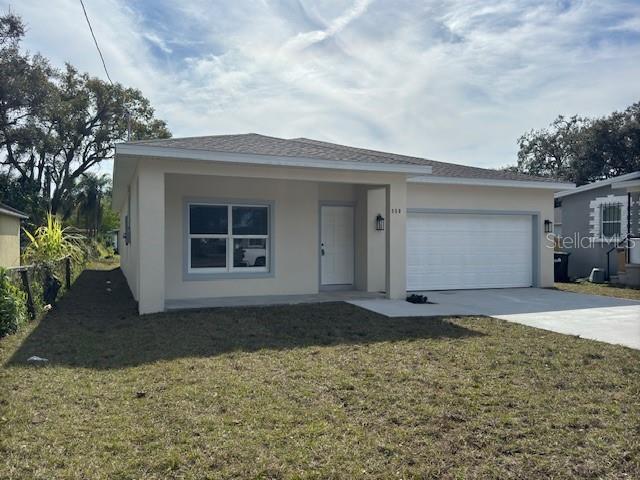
(600, 289)
(308, 391)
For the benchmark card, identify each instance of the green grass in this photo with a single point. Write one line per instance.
(309, 391)
(600, 289)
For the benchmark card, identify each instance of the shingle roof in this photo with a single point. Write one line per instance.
(255, 144)
(7, 210)
(599, 184)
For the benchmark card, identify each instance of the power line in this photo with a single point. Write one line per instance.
(96, 42)
(104, 65)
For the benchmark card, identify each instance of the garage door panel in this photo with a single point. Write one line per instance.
(457, 251)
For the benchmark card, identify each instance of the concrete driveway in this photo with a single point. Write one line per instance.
(607, 319)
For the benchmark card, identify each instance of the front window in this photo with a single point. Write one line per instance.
(228, 238)
(611, 220)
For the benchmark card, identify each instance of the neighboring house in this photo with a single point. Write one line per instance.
(249, 215)
(10, 219)
(594, 219)
(113, 238)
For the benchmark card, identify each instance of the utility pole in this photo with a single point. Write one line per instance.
(128, 116)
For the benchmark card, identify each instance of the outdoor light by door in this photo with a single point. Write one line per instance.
(379, 222)
(548, 226)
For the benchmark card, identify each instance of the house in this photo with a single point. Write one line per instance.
(10, 219)
(597, 224)
(113, 237)
(252, 215)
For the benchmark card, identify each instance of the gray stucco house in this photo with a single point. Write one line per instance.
(598, 224)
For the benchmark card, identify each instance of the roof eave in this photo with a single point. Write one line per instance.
(629, 185)
(601, 183)
(274, 160)
(493, 182)
(122, 174)
(11, 213)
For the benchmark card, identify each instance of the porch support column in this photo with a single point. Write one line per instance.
(396, 219)
(151, 256)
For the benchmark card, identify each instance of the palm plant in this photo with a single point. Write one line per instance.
(91, 190)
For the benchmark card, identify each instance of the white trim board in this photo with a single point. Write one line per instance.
(492, 182)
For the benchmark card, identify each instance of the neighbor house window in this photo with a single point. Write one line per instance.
(611, 219)
(228, 238)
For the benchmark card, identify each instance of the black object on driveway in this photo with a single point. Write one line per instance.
(416, 298)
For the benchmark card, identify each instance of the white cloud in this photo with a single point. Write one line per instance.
(157, 41)
(455, 80)
(303, 40)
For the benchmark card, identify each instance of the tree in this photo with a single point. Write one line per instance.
(24, 87)
(89, 207)
(87, 117)
(55, 125)
(550, 151)
(583, 150)
(110, 219)
(11, 29)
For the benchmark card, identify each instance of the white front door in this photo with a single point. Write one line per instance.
(336, 245)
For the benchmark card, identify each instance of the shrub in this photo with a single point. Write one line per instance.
(13, 305)
(51, 242)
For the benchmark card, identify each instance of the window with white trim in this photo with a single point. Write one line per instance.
(228, 238)
(611, 219)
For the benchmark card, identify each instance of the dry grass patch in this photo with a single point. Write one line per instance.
(600, 289)
(309, 391)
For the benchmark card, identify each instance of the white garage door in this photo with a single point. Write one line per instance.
(457, 251)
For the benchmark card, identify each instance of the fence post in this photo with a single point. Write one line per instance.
(67, 263)
(24, 275)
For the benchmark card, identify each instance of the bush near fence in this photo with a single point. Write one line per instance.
(13, 305)
(29, 281)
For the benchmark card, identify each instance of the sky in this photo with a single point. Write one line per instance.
(450, 80)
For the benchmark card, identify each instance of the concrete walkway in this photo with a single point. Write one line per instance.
(611, 320)
(271, 300)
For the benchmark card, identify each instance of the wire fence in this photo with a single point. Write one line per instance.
(44, 283)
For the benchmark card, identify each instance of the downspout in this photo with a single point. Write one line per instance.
(628, 253)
